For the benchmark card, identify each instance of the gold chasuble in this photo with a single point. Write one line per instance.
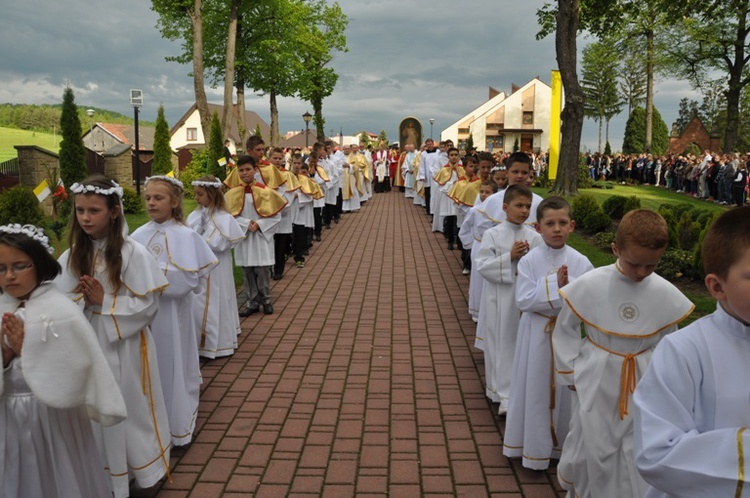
(346, 184)
(444, 175)
(418, 184)
(322, 173)
(308, 186)
(290, 180)
(267, 201)
(272, 177)
(233, 180)
(465, 192)
(355, 161)
(398, 181)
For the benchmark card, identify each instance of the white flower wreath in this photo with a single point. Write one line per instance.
(32, 231)
(201, 183)
(172, 180)
(77, 188)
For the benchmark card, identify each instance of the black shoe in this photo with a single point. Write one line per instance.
(327, 227)
(450, 246)
(336, 220)
(306, 252)
(277, 276)
(268, 309)
(249, 311)
(317, 238)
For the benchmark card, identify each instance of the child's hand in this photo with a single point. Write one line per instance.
(253, 227)
(520, 248)
(562, 276)
(92, 290)
(12, 332)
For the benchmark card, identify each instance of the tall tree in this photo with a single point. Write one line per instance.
(599, 82)
(687, 111)
(634, 139)
(710, 37)
(162, 163)
(632, 75)
(72, 152)
(183, 19)
(215, 148)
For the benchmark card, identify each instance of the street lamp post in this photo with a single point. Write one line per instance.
(136, 100)
(432, 122)
(90, 114)
(307, 117)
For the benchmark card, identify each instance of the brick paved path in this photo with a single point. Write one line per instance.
(364, 381)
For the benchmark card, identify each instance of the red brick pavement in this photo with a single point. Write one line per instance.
(364, 382)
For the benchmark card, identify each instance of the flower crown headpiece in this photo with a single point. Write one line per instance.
(495, 169)
(115, 189)
(169, 179)
(31, 231)
(201, 183)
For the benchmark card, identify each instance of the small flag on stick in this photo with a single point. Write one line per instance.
(42, 190)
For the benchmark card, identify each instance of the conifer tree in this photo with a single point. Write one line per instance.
(216, 148)
(162, 151)
(72, 152)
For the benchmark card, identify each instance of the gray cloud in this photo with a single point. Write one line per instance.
(430, 59)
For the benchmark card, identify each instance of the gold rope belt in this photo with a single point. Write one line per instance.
(548, 329)
(628, 379)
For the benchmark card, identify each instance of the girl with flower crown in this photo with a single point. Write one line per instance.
(215, 309)
(118, 285)
(186, 260)
(55, 379)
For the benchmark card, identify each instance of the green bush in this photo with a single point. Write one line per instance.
(676, 263)
(703, 217)
(697, 254)
(131, 202)
(674, 237)
(583, 205)
(632, 204)
(677, 209)
(688, 232)
(693, 149)
(614, 206)
(597, 221)
(20, 205)
(604, 240)
(584, 178)
(196, 168)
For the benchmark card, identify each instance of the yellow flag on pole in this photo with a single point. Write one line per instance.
(42, 190)
(171, 174)
(554, 125)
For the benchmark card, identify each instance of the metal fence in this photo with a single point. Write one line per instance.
(9, 173)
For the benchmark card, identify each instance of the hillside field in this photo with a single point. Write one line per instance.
(11, 136)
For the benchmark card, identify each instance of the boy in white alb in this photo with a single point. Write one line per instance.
(691, 406)
(502, 247)
(539, 416)
(257, 209)
(625, 309)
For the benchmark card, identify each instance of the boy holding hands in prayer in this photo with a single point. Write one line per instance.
(501, 248)
(539, 416)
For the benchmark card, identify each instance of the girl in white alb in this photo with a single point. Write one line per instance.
(215, 309)
(54, 379)
(185, 259)
(117, 284)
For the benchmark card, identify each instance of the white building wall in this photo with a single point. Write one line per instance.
(179, 137)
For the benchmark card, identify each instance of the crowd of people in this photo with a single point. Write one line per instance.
(101, 348)
(716, 177)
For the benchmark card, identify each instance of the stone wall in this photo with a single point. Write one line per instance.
(120, 168)
(36, 164)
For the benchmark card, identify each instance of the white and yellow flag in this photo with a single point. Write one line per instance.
(42, 190)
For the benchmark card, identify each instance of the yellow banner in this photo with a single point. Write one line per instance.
(554, 125)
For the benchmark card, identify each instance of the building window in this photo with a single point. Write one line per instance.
(528, 117)
(192, 134)
(495, 144)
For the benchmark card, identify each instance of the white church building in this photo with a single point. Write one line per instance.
(523, 116)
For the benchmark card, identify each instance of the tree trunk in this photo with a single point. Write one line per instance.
(606, 133)
(317, 103)
(735, 86)
(600, 135)
(196, 20)
(241, 112)
(568, 17)
(648, 139)
(274, 139)
(229, 69)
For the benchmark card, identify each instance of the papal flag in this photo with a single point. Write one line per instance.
(42, 190)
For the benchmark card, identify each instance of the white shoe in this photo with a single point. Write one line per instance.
(465, 271)
(474, 319)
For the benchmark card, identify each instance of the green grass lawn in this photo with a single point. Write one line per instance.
(11, 136)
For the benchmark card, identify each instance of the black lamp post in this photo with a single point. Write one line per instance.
(136, 100)
(307, 117)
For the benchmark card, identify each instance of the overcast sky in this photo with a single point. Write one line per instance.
(430, 59)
